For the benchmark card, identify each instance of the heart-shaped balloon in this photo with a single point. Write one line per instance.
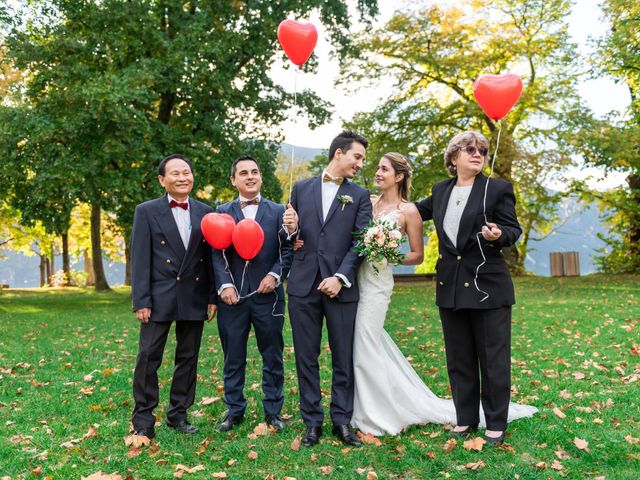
(298, 40)
(217, 229)
(248, 238)
(497, 94)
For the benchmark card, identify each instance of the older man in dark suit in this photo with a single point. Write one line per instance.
(326, 211)
(251, 294)
(171, 280)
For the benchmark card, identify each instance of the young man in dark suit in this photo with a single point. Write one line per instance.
(171, 280)
(252, 294)
(325, 212)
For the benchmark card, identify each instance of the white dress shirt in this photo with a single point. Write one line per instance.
(183, 220)
(249, 211)
(329, 192)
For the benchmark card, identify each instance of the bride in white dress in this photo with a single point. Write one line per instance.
(389, 394)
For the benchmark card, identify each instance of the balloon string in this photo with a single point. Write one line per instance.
(293, 148)
(246, 264)
(484, 213)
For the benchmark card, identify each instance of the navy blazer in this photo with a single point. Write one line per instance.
(329, 245)
(176, 284)
(456, 267)
(275, 255)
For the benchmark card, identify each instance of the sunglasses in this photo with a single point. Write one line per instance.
(471, 150)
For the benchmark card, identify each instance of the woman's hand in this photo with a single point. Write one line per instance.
(491, 232)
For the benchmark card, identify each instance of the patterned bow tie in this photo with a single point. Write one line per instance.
(174, 204)
(327, 177)
(244, 203)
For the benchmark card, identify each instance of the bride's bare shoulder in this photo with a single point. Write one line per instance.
(408, 207)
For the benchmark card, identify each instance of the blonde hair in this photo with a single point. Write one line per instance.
(400, 165)
(459, 142)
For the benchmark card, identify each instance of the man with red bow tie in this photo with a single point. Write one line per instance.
(171, 280)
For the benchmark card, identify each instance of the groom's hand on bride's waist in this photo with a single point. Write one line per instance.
(330, 286)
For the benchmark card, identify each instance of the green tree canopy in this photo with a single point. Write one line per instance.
(436, 53)
(114, 86)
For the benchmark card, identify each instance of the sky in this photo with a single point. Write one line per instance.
(585, 22)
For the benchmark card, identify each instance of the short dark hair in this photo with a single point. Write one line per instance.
(344, 142)
(240, 159)
(173, 156)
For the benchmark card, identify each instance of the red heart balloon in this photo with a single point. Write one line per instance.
(217, 229)
(248, 238)
(497, 94)
(298, 40)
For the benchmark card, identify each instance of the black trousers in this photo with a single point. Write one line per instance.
(306, 314)
(478, 350)
(234, 324)
(153, 337)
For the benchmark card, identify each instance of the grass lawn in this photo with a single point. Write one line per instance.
(66, 361)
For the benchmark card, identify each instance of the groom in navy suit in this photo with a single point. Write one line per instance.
(252, 294)
(324, 212)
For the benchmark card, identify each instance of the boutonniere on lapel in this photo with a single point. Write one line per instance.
(344, 200)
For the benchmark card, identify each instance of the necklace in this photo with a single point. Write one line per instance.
(460, 195)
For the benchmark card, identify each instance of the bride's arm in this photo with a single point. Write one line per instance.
(413, 227)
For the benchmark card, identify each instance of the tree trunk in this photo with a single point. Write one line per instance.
(48, 266)
(52, 267)
(127, 259)
(42, 270)
(633, 180)
(88, 267)
(101, 284)
(66, 281)
(514, 260)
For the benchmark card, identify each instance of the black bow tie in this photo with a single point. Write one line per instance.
(174, 204)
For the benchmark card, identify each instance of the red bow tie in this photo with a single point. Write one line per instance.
(174, 204)
(244, 203)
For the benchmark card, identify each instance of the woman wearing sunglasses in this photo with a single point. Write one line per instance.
(475, 218)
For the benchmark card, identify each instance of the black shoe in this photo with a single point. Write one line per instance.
(229, 421)
(183, 427)
(312, 436)
(494, 441)
(275, 421)
(145, 432)
(464, 433)
(347, 435)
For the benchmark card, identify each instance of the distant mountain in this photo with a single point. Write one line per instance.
(21, 271)
(577, 234)
(301, 153)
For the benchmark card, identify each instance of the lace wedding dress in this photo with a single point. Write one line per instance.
(389, 395)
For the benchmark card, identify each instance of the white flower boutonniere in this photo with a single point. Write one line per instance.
(345, 200)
